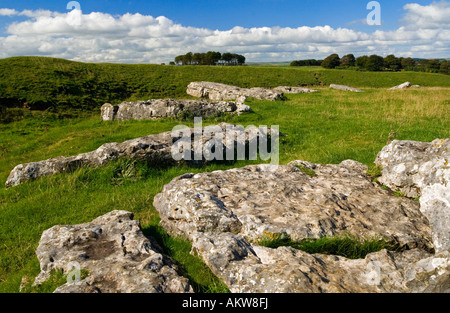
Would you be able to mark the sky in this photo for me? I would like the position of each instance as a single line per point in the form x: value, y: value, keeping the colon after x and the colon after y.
x: 263, y: 30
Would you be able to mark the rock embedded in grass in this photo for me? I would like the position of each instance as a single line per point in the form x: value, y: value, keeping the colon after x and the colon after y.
x: 402, y: 86
x: 220, y: 92
x: 294, y: 90
x: 345, y: 88
x: 116, y: 254
x: 225, y: 213
x: 153, y: 149
x: 164, y: 108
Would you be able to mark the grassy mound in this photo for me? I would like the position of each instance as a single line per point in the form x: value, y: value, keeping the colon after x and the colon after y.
x: 48, y: 83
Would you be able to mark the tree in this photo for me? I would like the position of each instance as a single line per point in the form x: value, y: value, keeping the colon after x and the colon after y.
x: 212, y: 57
x: 433, y: 66
x: 227, y: 57
x: 331, y: 61
x: 392, y: 62
x: 187, y: 60
x: 445, y: 67
x: 375, y: 63
x: 197, y: 58
x: 179, y: 59
x: 348, y: 60
x: 408, y: 62
x: 240, y: 59
x: 362, y: 61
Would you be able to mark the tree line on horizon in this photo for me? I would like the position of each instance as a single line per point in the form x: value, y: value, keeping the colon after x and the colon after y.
x: 378, y: 63
x: 209, y: 58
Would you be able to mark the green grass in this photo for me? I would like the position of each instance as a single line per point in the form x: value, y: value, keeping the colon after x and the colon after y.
x: 56, y: 84
x: 348, y: 246
x: 306, y: 170
x: 325, y: 127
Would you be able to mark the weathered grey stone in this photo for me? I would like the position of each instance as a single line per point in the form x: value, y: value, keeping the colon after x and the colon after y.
x: 155, y: 149
x: 118, y: 257
x: 220, y: 92
x: 402, y: 86
x: 225, y: 213
x: 287, y: 90
x: 163, y: 108
x: 410, y: 166
x: 255, y: 200
x: 422, y: 169
x: 345, y: 88
x: 250, y: 268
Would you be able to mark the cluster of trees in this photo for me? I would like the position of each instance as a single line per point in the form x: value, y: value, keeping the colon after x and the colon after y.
x: 310, y: 62
x: 210, y: 58
x: 378, y: 63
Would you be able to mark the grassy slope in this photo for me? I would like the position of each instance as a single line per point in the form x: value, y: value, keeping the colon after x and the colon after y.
x: 47, y: 82
x: 326, y: 127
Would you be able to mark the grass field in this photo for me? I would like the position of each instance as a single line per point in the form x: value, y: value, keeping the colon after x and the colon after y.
x: 325, y: 127
x: 47, y: 83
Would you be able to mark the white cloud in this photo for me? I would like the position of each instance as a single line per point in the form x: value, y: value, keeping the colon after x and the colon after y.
x: 435, y: 15
x: 101, y: 37
x: 8, y: 12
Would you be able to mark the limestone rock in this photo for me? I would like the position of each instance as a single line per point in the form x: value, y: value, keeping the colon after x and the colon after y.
x: 250, y: 268
x: 163, y: 108
x: 220, y: 92
x: 287, y: 90
x: 345, y: 88
x: 225, y: 213
x: 410, y: 166
x: 402, y: 86
x: 422, y: 169
x: 262, y: 199
x: 118, y: 257
x: 155, y: 149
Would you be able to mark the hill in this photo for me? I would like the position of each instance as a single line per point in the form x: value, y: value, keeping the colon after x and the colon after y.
x: 47, y: 83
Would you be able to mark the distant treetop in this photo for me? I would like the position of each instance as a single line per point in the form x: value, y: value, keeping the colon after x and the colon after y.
x: 377, y: 63
x: 210, y: 58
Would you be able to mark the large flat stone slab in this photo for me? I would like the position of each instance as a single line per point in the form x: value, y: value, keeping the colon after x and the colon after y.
x: 155, y: 149
x: 225, y: 214
x: 220, y: 92
x: 116, y: 254
x: 164, y: 108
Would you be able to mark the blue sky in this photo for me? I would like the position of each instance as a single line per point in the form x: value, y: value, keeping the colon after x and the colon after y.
x: 225, y: 14
x: 264, y: 30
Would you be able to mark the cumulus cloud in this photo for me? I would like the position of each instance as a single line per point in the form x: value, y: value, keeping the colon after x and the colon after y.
x: 435, y: 15
x: 129, y: 38
x: 8, y: 12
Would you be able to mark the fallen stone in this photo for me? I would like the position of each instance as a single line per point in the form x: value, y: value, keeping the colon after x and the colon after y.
x: 250, y: 268
x: 255, y: 200
x: 402, y: 86
x: 154, y: 149
x: 116, y: 254
x: 294, y: 90
x: 163, y: 108
x: 421, y: 169
x: 221, y: 92
x: 345, y: 88
x: 225, y: 214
